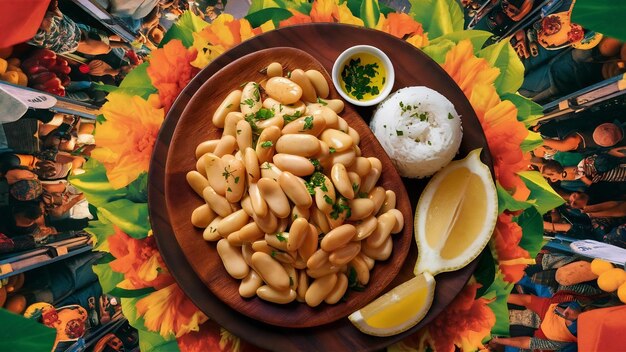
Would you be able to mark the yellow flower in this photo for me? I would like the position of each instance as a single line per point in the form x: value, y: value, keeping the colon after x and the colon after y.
x: 168, y: 311
x: 343, y: 15
x: 127, y: 137
x: 222, y: 34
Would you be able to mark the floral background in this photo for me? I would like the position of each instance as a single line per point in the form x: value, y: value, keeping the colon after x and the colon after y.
x: 116, y: 178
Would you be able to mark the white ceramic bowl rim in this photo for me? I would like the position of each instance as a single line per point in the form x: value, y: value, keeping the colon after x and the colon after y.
x: 389, y: 80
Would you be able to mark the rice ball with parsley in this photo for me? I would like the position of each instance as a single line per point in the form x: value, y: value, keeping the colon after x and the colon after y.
x: 419, y: 129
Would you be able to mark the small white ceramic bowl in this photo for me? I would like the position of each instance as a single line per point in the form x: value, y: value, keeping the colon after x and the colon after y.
x: 389, y: 79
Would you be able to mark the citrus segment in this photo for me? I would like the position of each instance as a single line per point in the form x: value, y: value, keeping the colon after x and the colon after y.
x: 397, y: 310
x: 455, y: 215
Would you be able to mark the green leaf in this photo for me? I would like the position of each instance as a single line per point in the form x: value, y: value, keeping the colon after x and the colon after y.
x: 274, y: 14
x: 604, y: 16
x: 105, y: 259
x: 478, y: 38
x: 137, y: 191
x: 438, y: 17
x: 499, y: 290
x: 531, y: 223
x: 384, y: 9
x: 138, y: 79
x: 101, y: 229
x: 531, y: 142
x: 527, y: 110
x: 437, y: 51
x: 369, y: 13
x: 142, y: 92
x: 503, y: 56
x: 355, y: 7
x: 108, y: 278
x: 302, y: 6
x: 124, y: 293
x: 185, y: 35
x: 95, y: 184
x: 23, y: 334
x: 129, y: 308
x: 507, y: 202
x: 545, y: 198
x: 153, y: 342
x: 131, y: 218
x: 191, y: 21
x: 485, y: 272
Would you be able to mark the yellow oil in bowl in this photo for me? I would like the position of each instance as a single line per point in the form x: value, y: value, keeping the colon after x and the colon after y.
x: 363, y: 76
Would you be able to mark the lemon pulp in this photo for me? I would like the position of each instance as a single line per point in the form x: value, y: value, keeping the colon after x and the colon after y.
x: 397, y: 310
x: 455, y: 215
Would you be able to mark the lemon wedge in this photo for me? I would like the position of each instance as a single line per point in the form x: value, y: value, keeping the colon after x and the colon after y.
x: 397, y: 310
x: 456, y: 215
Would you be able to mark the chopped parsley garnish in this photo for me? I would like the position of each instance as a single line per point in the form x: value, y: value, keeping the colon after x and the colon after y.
x: 363, y: 195
x: 256, y: 92
x: 288, y: 118
x: 327, y: 199
x: 227, y: 173
x: 422, y: 117
x: 450, y: 117
x: 399, y: 133
x: 316, y: 164
x: 321, y: 101
x: 236, y: 179
x: 252, y: 122
x: 340, y: 206
x: 357, y: 78
x: 308, y: 123
x: 355, y: 186
x: 331, y: 150
x: 267, y: 144
x: 229, y: 106
x: 238, y: 132
x: 288, y: 74
x: 248, y: 102
x: 316, y: 180
x: 353, y: 282
x: 264, y: 114
x: 290, y: 281
x: 281, y: 238
x: 429, y: 143
x: 229, y: 190
x: 274, y: 254
x: 266, y: 166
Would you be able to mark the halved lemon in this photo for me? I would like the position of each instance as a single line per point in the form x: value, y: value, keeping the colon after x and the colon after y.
x: 456, y: 215
x: 397, y: 310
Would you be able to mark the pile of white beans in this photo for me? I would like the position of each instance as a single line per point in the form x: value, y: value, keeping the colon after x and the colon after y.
x: 286, y: 230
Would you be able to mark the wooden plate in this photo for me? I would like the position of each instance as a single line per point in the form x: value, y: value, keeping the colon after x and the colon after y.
x: 194, y: 127
x: 325, y: 42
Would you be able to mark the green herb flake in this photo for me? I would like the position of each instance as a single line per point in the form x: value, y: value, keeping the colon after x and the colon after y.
x: 321, y: 101
x: 308, y: 123
x: 238, y: 132
x: 248, y: 102
x: 288, y: 74
x: 450, y: 117
x: 264, y: 114
x: 355, y: 186
x: 327, y: 199
x: 236, y: 179
x: 363, y: 195
x: 267, y: 144
x: 341, y: 206
x: 256, y: 93
x: 429, y: 143
x: 229, y: 190
x: 358, y: 78
x: 288, y: 118
x: 331, y: 150
x: 227, y: 173
x: 274, y: 254
x: 317, y: 165
x: 281, y: 238
x: 229, y: 106
x: 399, y: 133
x: 290, y: 281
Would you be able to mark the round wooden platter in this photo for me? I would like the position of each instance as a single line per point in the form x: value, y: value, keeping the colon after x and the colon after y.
x: 194, y: 126
x: 325, y: 42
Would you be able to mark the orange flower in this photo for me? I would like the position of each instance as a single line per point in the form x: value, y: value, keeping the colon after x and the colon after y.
x: 322, y: 10
x: 297, y: 18
x: 170, y: 70
x: 127, y: 137
x: 400, y: 25
x: 168, y: 311
x: 343, y: 15
x: 139, y: 261
x: 512, y: 259
x: 463, y: 324
x: 498, y: 118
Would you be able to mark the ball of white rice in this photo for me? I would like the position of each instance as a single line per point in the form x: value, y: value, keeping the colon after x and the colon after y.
x: 419, y: 129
